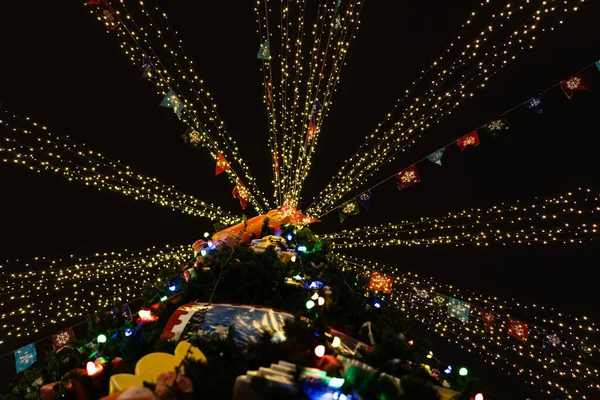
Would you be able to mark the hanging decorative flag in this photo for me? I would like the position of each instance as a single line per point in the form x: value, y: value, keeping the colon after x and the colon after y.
x: 148, y: 68
x: 348, y: 208
x: 339, y: 3
x: 62, y: 338
x: 191, y: 137
x: 553, y: 340
x: 96, y: 2
x: 106, y: 12
x: 312, y: 125
x: 535, y: 104
x: 338, y: 24
x: 489, y: 318
x: 518, y: 329
x: 25, y: 357
x: 172, y: 101
x: 264, y: 53
x: 436, y: 156
x: 222, y: 164
x: 598, y: 65
x: 276, y: 161
x: 419, y: 294
x: 269, y: 93
x: 240, y: 192
x: 365, y: 199
x: 572, y: 84
x: 408, y: 177
x: 496, y: 127
x: 470, y: 139
x: 381, y: 282
x: 439, y: 300
x: 459, y: 309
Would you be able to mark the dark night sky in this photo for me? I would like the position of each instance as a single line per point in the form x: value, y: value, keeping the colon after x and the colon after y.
x: 60, y: 68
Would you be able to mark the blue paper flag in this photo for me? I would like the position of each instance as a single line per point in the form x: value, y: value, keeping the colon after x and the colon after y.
x: 172, y: 101
x: 25, y: 357
x: 598, y: 65
x: 459, y: 309
x: 436, y: 156
x: 365, y: 199
x: 265, y: 52
x: 554, y: 341
x: 339, y: 3
x: 535, y: 104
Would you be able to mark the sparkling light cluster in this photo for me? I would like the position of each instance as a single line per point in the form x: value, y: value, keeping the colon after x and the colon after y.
x: 455, y: 76
x: 145, y: 34
x: 307, y: 75
x: 569, y: 373
x: 569, y: 218
x: 31, y: 145
x: 38, y: 294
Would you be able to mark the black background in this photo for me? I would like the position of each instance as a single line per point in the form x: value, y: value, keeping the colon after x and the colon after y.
x: 59, y: 67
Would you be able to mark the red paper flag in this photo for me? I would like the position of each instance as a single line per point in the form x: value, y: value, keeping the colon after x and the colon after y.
x: 489, y: 318
x: 62, y: 338
x: 106, y: 12
x: 470, y: 139
x: 518, y: 329
x: 222, y: 164
x: 269, y: 93
x: 240, y: 192
x: 381, y: 282
x: 96, y: 2
x: 312, y: 129
x: 276, y: 160
x: 408, y: 177
x: 574, y: 83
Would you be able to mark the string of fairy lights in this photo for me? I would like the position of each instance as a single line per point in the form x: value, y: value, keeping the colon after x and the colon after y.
x: 136, y: 41
x: 565, y: 373
x: 475, y: 70
x: 569, y: 218
x: 29, y: 144
x: 349, y: 25
x: 41, y: 293
x: 305, y: 79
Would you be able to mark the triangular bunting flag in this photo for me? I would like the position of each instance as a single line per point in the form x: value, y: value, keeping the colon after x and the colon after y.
x: 365, y: 199
x: 265, y: 52
x: 536, y: 104
x: 496, y: 127
x: 148, y: 68
x: 554, y: 341
x: 381, y: 282
x: 348, y: 208
x: 489, y: 318
x: 470, y: 139
x: 240, y: 192
x: 459, y: 309
x: 25, y: 357
x: 62, y: 338
x: 172, y: 101
x: 573, y: 84
x: 598, y: 65
x: 419, y: 294
x: 312, y: 125
x: 192, y: 138
x: 518, y: 329
x: 408, y: 177
x: 436, y: 156
x: 222, y: 164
